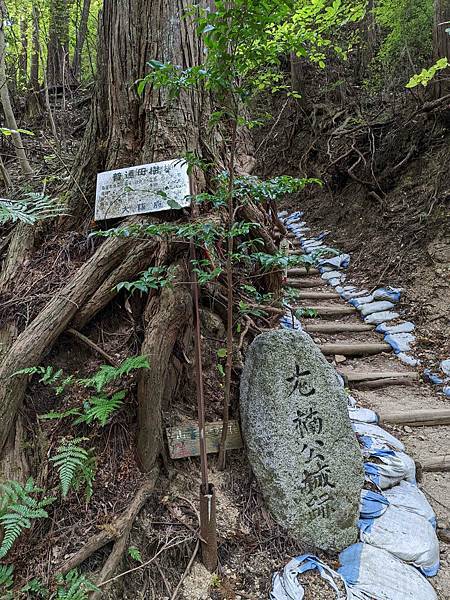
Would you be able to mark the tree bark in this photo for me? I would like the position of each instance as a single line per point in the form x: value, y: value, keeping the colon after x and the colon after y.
x: 37, y: 339
x: 81, y: 37
x: 167, y: 317
x: 59, y: 72
x: 441, y: 45
x: 6, y: 101
x: 23, y: 57
x: 125, y: 129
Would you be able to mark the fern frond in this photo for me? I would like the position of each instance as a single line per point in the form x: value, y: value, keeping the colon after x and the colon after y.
x: 100, y: 408
x: 49, y: 375
x: 70, y: 460
x: 6, y: 577
x: 18, y: 508
x: 34, y: 207
x: 74, y: 586
x: 107, y: 374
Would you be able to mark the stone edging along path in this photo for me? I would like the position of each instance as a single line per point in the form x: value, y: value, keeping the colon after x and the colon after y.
x: 398, y: 548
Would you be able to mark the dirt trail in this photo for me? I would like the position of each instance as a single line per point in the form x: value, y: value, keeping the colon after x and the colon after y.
x: 420, y: 442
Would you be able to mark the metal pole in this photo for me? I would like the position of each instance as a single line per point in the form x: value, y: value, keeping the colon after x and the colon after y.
x: 199, y: 372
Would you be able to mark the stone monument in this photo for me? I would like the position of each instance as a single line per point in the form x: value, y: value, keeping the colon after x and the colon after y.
x: 299, y: 439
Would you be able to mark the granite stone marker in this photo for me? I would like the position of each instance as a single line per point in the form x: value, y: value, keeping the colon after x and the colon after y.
x: 299, y: 439
x: 142, y: 189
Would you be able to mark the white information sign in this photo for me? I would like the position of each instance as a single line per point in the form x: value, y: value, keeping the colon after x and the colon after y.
x: 142, y: 189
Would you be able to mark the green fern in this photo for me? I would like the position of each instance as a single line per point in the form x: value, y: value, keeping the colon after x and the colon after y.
x: 6, y: 577
x: 49, y: 375
x: 135, y: 553
x: 36, y: 588
x: 18, y: 508
x: 34, y: 207
x: 107, y: 374
x: 74, y: 586
x: 76, y: 466
x: 100, y: 408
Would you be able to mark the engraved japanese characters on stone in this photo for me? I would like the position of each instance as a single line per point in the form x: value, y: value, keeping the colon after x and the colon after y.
x: 300, y: 441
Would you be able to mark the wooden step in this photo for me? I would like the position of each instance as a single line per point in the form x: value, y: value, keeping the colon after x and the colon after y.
x: 377, y: 380
x: 311, y: 295
x: 300, y: 271
x: 359, y: 376
x: 418, y: 418
x: 331, y: 311
x: 332, y: 327
x: 305, y: 283
x: 355, y: 349
x: 435, y: 464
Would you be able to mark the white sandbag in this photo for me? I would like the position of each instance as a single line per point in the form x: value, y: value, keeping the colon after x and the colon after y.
x: 394, y: 466
x: 400, y: 342
x: 373, y: 436
x: 372, y: 504
x: 405, y: 327
x: 406, y: 535
x: 286, y: 584
x: 351, y: 401
x: 380, y: 317
x: 374, y: 574
x: 388, y: 293
x: 375, y: 307
x: 408, y: 496
x: 331, y: 275
x: 341, y: 261
x: 349, y: 294
x: 445, y: 366
x: 407, y: 359
x: 359, y: 301
x: 362, y: 415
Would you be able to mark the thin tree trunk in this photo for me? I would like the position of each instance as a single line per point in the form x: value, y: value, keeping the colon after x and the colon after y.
x: 6, y: 101
x: 81, y: 37
x: 59, y: 72
x: 441, y: 45
x: 34, y: 68
x: 23, y: 57
x: 44, y: 75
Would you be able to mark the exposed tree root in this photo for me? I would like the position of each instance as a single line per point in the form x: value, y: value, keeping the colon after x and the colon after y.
x: 167, y: 317
x: 33, y: 343
x: 136, y: 261
x: 117, y: 532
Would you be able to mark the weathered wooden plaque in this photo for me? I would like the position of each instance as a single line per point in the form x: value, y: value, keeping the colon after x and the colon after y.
x: 142, y: 189
x: 184, y: 441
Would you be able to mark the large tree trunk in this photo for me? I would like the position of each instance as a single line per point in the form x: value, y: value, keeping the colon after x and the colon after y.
x: 441, y: 45
x: 130, y: 130
x: 125, y: 129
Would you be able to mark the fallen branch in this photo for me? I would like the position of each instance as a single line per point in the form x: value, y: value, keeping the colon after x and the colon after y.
x: 186, y: 571
x: 93, y: 346
x: 116, y: 531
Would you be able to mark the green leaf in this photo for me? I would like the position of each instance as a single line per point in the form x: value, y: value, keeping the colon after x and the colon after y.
x: 135, y: 553
x: 173, y: 204
x: 222, y: 352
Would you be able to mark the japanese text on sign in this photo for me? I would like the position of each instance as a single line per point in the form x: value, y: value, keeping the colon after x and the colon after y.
x: 142, y: 189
